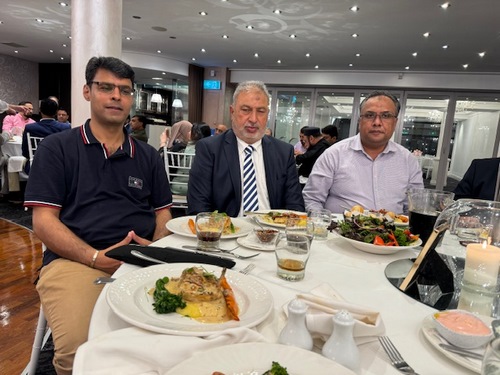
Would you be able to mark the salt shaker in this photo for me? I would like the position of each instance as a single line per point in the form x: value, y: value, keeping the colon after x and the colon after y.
x: 295, y: 332
x: 341, y: 346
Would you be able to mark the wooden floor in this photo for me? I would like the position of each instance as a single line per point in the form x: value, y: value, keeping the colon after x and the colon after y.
x: 20, y: 259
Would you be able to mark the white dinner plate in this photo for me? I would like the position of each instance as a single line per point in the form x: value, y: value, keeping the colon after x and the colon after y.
x: 376, y: 249
x: 262, y: 213
x: 434, y: 338
x: 180, y: 226
x: 251, y: 242
x: 128, y: 297
x: 255, y: 359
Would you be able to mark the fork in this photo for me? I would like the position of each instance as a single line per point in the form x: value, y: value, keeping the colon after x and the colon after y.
x: 396, y: 360
x: 247, y: 269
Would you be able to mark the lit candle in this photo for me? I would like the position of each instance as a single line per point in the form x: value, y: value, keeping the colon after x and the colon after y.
x: 479, y: 285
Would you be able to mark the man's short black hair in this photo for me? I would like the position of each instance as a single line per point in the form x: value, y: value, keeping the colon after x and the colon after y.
x: 112, y: 64
x: 142, y: 119
x: 48, y: 107
x: 330, y: 130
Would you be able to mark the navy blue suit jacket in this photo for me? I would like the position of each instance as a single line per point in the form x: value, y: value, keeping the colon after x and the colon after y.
x: 215, y: 177
x: 480, y: 180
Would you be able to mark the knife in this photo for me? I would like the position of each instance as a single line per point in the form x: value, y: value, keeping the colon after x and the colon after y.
x: 465, y: 352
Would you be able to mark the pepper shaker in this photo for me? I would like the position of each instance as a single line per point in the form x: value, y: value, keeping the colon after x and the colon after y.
x: 295, y: 332
x: 341, y: 346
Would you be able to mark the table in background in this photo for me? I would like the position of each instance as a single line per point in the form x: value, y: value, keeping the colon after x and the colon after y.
x: 357, y: 276
x: 13, y: 148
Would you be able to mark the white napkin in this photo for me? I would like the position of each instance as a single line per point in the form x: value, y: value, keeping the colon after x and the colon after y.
x: 16, y: 164
x: 324, y: 302
x: 133, y: 351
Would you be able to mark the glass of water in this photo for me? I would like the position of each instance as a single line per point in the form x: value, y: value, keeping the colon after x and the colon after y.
x: 292, y: 253
x: 491, y: 360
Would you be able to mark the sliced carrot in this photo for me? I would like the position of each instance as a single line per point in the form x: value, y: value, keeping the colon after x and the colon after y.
x: 192, y: 226
x: 232, y: 305
x: 393, y: 238
x: 378, y: 241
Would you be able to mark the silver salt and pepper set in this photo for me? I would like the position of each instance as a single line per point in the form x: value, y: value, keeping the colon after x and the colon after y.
x: 340, y: 347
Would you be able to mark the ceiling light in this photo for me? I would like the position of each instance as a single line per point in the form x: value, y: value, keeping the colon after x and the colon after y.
x: 293, y: 36
x: 427, y: 34
x: 156, y: 98
x: 354, y: 35
x: 63, y: 4
x: 202, y: 13
x: 39, y: 20
x: 445, y: 5
x: 69, y: 36
x: 407, y: 67
x: 277, y: 11
x: 235, y: 61
x: 249, y: 27
x: 308, y: 55
x: 64, y: 45
x: 128, y: 38
x: 51, y: 50
x: 16, y: 51
x: 158, y: 51
x: 279, y: 61
x: 203, y: 50
x: 316, y: 67
x: 354, y: 8
x: 62, y: 58
x: 1, y: 22
x: 177, y: 103
x: 351, y: 65
x: 465, y: 66
x: 156, y: 78
x: 358, y: 54
x: 225, y: 36
x: 414, y: 54
x: 193, y: 58
x: 256, y: 55
x: 445, y: 46
x: 481, y: 54
x: 164, y: 73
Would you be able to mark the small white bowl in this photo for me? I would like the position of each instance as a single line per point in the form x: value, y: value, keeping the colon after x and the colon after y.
x: 462, y: 328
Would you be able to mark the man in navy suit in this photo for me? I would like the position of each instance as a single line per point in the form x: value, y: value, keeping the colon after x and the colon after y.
x: 215, y: 181
x: 480, y: 180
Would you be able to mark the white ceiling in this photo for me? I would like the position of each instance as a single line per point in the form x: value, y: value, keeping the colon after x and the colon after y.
x: 389, y: 32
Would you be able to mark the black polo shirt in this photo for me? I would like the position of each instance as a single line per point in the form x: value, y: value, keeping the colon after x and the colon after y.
x: 101, y: 197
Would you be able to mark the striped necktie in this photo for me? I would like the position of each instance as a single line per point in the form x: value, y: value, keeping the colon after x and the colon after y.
x: 250, y: 198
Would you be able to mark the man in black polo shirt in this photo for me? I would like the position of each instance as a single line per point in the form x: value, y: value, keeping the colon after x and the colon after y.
x: 92, y: 188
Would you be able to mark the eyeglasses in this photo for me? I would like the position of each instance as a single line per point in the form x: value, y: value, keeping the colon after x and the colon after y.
x: 109, y: 88
x: 384, y: 117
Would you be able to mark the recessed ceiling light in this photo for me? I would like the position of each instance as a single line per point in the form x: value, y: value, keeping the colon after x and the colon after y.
x: 279, y: 61
x: 235, y: 61
x: 407, y: 67
x: 137, y: 17
x: 63, y: 4
x: 293, y: 36
x: 465, y: 66
x: 225, y: 36
x: 69, y: 36
x: 64, y: 45
x: 354, y: 8
x: 249, y: 27
x: 354, y: 35
x: 414, y: 54
x: 164, y: 73
x: 193, y: 58
x: 445, y: 5
x: 427, y: 34
x: 351, y: 65
x: 62, y: 58
x: 16, y: 51
x: 158, y: 51
x: 39, y: 20
x: 156, y: 78
x: 358, y: 54
x: 256, y: 55
x: 202, y: 13
x: 277, y: 11
x: 1, y: 22
x: 445, y: 46
x: 316, y: 67
x: 128, y: 38
x: 308, y: 55
x: 51, y: 50
x: 203, y: 50
x: 481, y: 54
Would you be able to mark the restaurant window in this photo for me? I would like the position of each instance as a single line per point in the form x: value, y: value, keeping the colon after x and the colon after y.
x: 334, y: 108
x: 292, y: 111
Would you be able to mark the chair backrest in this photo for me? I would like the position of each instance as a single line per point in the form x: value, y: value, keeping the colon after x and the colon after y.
x: 177, y: 164
x: 33, y: 143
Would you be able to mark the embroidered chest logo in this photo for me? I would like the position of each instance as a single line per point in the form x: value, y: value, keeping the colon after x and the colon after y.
x: 134, y: 182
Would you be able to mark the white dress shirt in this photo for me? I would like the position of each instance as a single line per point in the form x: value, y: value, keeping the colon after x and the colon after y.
x: 260, y: 173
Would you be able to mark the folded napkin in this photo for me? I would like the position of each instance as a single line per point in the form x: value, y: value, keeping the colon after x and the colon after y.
x: 166, y: 254
x: 16, y: 164
x: 135, y: 351
x: 324, y: 302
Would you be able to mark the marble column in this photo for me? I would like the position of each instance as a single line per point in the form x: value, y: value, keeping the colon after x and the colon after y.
x: 96, y: 30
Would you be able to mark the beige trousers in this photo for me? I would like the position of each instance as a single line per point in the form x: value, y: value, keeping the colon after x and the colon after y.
x: 68, y: 296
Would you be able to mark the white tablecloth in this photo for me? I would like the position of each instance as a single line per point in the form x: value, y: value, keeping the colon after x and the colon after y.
x: 357, y: 276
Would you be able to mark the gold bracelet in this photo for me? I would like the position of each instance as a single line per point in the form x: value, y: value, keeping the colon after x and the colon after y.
x: 92, y: 264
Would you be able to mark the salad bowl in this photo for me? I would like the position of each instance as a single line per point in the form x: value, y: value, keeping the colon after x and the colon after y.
x: 379, y: 249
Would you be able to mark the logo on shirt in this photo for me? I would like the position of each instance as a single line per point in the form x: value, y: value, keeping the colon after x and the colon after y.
x: 134, y: 182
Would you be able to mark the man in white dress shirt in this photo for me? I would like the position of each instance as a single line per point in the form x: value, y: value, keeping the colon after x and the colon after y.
x: 368, y: 169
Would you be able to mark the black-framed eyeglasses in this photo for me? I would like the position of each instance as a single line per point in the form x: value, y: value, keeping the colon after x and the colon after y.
x: 371, y: 116
x: 108, y: 88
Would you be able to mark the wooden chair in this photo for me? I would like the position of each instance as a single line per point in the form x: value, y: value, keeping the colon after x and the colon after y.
x: 177, y: 166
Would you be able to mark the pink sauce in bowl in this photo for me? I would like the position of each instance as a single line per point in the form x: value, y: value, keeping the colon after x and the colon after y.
x: 463, y: 323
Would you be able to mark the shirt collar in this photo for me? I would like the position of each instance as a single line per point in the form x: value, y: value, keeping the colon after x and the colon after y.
x: 88, y: 138
x: 242, y: 145
x: 358, y: 146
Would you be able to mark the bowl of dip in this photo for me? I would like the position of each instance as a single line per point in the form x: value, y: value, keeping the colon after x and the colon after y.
x: 462, y: 328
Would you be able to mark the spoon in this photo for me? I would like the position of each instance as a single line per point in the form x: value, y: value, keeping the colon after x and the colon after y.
x: 103, y: 280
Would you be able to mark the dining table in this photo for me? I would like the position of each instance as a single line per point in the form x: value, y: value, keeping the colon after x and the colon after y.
x: 357, y: 276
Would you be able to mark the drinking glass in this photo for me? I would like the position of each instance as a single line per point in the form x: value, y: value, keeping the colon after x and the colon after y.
x: 209, y: 227
x: 303, y: 226
x: 491, y: 360
x: 321, y: 219
x: 292, y: 253
x: 424, y: 207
